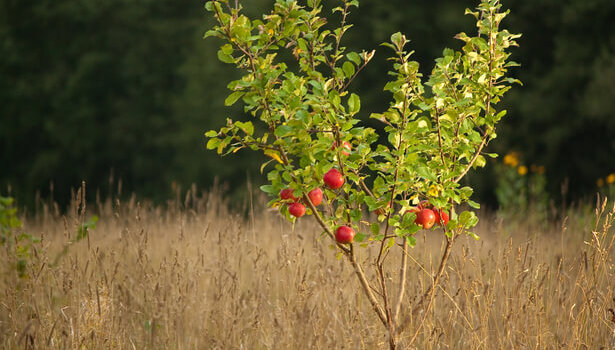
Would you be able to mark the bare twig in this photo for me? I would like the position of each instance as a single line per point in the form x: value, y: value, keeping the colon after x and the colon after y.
x: 430, y: 293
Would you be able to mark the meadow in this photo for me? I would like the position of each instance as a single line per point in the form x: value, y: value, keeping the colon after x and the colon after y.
x: 195, y: 275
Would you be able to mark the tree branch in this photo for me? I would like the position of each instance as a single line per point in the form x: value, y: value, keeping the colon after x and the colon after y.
x: 402, y: 280
x: 366, y: 286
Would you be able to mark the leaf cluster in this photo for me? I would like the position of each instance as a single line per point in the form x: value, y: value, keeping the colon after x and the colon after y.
x: 295, y: 85
x: 18, y: 245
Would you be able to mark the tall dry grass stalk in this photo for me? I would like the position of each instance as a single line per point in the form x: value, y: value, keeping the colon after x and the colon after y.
x: 195, y: 276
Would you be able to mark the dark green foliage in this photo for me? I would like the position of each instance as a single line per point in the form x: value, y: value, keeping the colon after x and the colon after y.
x: 87, y: 89
x: 93, y: 87
x: 563, y: 118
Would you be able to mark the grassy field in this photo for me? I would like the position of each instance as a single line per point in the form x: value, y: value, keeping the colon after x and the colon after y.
x: 195, y: 276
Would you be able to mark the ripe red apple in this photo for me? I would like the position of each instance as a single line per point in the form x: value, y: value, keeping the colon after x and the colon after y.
x: 441, y: 217
x: 287, y: 194
x: 344, y: 234
x: 346, y: 147
x: 333, y: 179
x: 425, y: 218
x: 296, y: 209
x: 315, y: 196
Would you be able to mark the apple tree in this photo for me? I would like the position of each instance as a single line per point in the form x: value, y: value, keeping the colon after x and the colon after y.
x: 376, y: 186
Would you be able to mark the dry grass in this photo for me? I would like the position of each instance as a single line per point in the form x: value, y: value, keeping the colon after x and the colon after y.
x: 196, y: 276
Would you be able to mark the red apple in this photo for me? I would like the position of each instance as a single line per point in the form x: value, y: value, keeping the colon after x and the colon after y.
x: 333, y: 179
x: 287, y: 194
x: 346, y: 147
x: 441, y: 217
x: 315, y: 196
x: 425, y: 218
x: 296, y: 209
x: 344, y: 234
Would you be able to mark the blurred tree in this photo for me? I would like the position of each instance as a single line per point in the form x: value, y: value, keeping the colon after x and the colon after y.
x: 129, y: 86
x: 200, y: 107
x: 563, y: 116
x: 87, y: 90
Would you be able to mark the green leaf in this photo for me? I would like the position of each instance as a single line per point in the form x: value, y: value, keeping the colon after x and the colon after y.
x: 399, y: 40
x: 348, y: 69
x: 474, y: 205
x: 226, y: 58
x: 354, y: 58
x: 375, y: 228
x: 232, y: 98
x: 241, y: 28
x: 468, y: 219
x: 246, y: 127
x: 480, y: 43
x: 209, y: 33
x: 426, y: 173
x: 372, y: 204
x: 268, y: 189
x: 390, y: 243
x: 354, y: 104
x: 283, y: 130
x: 480, y: 162
x: 359, y: 237
x: 411, y: 241
x: 466, y: 191
x: 211, y: 133
x: 499, y: 116
x: 213, y: 143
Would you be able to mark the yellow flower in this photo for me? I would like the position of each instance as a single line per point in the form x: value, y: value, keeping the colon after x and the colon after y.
x: 600, y: 182
x: 611, y: 178
x: 433, y: 191
x: 512, y: 159
x: 522, y: 170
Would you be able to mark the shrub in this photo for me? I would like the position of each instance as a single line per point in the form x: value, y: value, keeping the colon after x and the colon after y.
x: 296, y: 80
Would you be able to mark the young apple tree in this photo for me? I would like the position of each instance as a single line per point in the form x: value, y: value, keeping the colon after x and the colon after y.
x: 296, y: 75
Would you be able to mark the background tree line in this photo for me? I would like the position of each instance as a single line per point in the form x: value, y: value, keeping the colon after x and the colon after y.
x: 126, y: 88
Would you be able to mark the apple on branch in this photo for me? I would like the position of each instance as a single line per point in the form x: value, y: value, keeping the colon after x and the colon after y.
x: 344, y: 234
x: 315, y: 196
x: 296, y: 209
x: 333, y: 179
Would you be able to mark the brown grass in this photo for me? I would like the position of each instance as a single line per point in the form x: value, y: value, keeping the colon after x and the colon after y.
x: 196, y: 276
